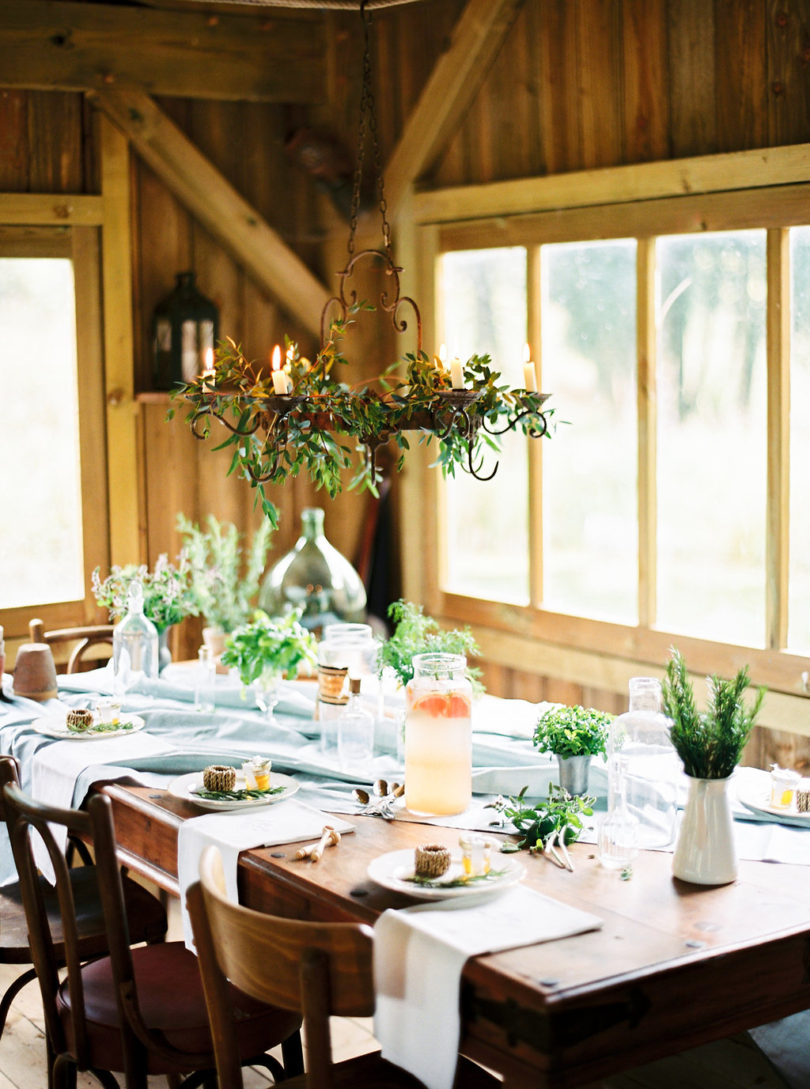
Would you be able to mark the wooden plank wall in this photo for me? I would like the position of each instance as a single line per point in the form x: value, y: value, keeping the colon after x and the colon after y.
x: 578, y: 84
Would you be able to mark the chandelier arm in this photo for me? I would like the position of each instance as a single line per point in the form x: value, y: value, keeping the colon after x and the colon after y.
x: 199, y: 414
x: 235, y: 428
x: 471, y: 468
x: 535, y: 433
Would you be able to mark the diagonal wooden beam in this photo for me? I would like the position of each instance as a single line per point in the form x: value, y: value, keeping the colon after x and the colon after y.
x: 59, y: 45
x: 453, y: 84
x: 238, y: 227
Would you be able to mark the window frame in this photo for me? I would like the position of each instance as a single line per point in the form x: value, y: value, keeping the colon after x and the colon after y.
x: 81, y: 244
x: 580, y: 649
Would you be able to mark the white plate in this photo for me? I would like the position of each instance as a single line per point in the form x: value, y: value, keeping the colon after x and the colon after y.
x: 53, y: 727
x: 391, y: 870
x: 759, y: 803
x: 186, y: 786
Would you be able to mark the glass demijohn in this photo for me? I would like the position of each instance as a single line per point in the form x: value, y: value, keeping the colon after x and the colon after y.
x: 438, y: 735
x: 316, y: 576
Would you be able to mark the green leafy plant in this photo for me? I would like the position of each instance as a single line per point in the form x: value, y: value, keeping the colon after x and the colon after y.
x: 572, y: 731
x: 224, y: 576
x: 281, y: 644
x: 709, y: 743
x: 465, y: 881
x: 325, y: 422
x: 560, y: 815
x: 415, y: 633
x: 168, y: 596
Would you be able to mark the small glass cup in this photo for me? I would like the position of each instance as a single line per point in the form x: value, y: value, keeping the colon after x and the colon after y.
x: 783, y: 787
x: 476, y: 855
x: 108, y: 710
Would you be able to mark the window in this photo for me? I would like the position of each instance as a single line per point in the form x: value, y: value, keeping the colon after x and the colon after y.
x: 51, y: 425
x: 656, y: 506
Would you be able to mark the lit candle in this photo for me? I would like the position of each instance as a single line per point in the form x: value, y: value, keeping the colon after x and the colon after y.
x: 208, y: 368
x: 456, y: 373
x: 529, y: 373
x: 279, y: 376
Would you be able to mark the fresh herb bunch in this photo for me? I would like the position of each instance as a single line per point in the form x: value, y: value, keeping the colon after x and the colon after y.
x: 711, y: 743
x: 415, y: 633
x: 224, y: 576
x: 464, y: 881
x: 168, y: 596
x: 282, y: 644
x: 572, y: 731
x: 322, y: 430
x: 536, y: 823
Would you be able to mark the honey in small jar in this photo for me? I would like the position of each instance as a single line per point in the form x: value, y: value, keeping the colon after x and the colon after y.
x: 783, y: 787
x: 257, y: 773
x: 475, y: 855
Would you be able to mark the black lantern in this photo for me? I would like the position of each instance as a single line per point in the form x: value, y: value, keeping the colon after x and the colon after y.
x: 185, y: 328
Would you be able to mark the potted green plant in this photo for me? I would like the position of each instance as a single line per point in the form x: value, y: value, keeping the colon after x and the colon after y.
x: 414, y: 633
x: 266, y: 649
x: 225, y: 576
x: 168, y: 596
x: 710, y: 743
x: 573, y: 735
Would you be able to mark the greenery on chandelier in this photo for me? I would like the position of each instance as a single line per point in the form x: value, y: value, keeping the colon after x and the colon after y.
x: 327, y: 427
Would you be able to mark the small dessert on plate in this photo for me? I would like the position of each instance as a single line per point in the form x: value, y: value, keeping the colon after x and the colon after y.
x: 80, y: 720
x: 431, y: 860
x: 219, y: 777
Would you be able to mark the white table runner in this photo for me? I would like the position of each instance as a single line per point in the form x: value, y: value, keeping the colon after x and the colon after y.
x: 289, y: 821
x: 419, y: 954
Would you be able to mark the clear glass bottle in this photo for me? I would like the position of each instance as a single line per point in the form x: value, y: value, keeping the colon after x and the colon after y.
x: 344, y: 649
x: 355, y: 731
x: 316, y: 576
x: 643, y: 776
x: 205, y: 680
x: 135, y: 643
x: 438, y: 735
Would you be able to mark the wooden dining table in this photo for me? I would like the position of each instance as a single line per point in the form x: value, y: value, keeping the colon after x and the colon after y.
x: 673, y: 965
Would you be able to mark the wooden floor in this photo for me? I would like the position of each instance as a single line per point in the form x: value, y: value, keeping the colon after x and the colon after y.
x: 731, y: 1064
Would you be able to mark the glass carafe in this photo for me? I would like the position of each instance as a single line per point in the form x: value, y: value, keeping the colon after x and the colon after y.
x: 438, y: 735
x: 315, y: 576
x: 643, y: 773
x: 344, y: 649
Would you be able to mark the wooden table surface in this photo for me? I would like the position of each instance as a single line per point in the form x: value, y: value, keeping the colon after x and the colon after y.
x: 673, y: 966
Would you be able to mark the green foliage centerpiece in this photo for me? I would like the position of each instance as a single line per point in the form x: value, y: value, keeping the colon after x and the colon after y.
x: 574, y: 735
x: 414, y: 633
x: 267, y: 649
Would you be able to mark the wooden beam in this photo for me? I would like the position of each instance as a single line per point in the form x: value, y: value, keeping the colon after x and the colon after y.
x: 116, y: 270
x: 239, y: 228
x: 78, y: 47
x: 451, y: 87
x: 49, y: 209
x: 617, y: 185
x: 647, y: 455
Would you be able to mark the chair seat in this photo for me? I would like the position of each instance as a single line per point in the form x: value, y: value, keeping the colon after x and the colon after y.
x: 147, y: 918
x: 371, y: 1071
x: 171, y: 1001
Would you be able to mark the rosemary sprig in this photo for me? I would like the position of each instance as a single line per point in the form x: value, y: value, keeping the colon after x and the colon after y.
x: 456, y: 882
x: 245, y: 794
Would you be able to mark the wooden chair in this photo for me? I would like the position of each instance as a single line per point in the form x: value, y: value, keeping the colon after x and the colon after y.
x: 85, y: 638
x: 145, y: 913
x: 137, y: 1011
x: 317, y: 969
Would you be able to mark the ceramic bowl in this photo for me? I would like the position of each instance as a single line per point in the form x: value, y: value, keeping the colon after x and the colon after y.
x: 35, y: 672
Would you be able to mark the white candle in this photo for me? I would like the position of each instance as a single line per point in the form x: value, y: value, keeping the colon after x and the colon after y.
x: 279, y: 376
x: 208, y: 368
x: 456, y: 374
x: 529, y: 372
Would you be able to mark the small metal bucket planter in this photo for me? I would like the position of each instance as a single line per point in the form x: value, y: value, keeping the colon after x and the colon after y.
x: 574, y: 773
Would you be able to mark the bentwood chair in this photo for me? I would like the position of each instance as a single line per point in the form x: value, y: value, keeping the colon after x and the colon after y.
x: 147, y: 919
x: 136, y: 1011
x: 84, y: 640
x: 317, y: 969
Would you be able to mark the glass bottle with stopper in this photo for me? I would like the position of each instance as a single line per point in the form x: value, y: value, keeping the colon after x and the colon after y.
x: 135, y: 643
x: 355, y: 730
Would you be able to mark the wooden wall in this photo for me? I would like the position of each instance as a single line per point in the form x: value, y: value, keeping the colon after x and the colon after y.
x: 578, y: 84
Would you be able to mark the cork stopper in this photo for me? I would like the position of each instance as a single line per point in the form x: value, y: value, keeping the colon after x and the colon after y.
x: 354, y: 686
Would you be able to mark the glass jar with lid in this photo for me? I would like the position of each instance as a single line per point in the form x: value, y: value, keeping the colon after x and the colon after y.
x: 438, y: 735
x: 345, y: 649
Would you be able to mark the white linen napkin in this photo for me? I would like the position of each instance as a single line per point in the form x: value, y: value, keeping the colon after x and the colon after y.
x: 56, y: 767
x: 419, y: 954
x: 289, y: 821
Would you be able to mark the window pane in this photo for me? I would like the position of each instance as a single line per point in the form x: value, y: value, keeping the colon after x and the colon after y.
x: 41, y: 545
x: 799, y: 600
x: 711, y: 436
x: 590, y: 533
x: 484, y: 312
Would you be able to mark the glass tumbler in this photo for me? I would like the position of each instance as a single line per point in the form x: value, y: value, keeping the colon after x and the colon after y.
x: 438, y: 735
